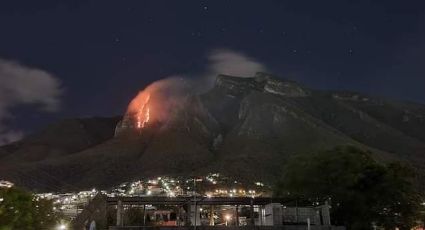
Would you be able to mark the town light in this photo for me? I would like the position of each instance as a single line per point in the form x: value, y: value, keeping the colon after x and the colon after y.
x: 61, y: 227
x: 227, y: 217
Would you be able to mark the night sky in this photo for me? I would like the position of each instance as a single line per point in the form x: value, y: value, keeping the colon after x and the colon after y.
x: 100, y: 53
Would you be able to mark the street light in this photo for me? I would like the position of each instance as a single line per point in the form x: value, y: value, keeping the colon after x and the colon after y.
x: 62, y: 227
x: 227, y: 218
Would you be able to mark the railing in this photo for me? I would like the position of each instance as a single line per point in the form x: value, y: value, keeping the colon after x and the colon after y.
x: 283, y: 227
x: 140, y: 200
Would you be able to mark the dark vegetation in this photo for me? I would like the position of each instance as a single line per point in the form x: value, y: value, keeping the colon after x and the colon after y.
x: 22, y: 210
x: 361, y: 191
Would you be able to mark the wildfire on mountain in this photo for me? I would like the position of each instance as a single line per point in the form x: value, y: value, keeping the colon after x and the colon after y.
x: 140, y: 109
x: 155, y: 103
x: 143, y: 114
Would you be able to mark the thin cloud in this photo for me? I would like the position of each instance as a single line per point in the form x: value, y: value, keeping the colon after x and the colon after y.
x: 223, y: 61
x: 23, y: 85
x: 228, y: 62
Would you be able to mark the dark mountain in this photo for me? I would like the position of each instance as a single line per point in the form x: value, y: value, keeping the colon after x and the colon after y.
x: 62, y: 138
x: 244, y: 127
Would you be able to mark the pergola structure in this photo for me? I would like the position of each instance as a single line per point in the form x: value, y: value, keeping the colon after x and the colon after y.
x: 200, y: 211
x: 192, y: 204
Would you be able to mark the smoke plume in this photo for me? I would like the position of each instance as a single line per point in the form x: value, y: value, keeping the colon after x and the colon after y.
x: 157, y: 101
x: 230, y: 62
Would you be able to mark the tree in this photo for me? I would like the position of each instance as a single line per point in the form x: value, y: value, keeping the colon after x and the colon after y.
x: 361, y: 191
x: 22, y: 210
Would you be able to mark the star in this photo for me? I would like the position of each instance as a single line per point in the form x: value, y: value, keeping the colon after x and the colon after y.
x: 197, y: 34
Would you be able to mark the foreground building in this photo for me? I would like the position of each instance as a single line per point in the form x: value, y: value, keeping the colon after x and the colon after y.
x: 138, y: 212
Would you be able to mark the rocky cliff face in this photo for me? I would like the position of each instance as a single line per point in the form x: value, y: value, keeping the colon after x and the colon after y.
x: 261, y: 82
x: 246, y: 127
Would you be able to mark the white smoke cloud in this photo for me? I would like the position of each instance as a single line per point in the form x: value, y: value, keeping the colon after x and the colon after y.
x: 234, y: 63
x: 161, y: 98
x: 228, y: 62
x: 22, y: 85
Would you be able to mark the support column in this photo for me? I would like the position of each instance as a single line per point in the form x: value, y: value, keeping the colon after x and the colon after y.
x: 211, y: 215
x: 251, y: 207
x: 187, y: 215
x: 296, y: 211
x: 195, y: 220
x: 144, y: 215
x: 119, y: 213
x: 237, y: 215
x: 178, y: 216
x: 326, y: 214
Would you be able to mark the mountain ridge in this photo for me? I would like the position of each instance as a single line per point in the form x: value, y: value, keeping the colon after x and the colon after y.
x: 246, y: 127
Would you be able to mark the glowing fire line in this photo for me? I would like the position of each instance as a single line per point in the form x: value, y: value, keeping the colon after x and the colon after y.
x: 143, y: 119
x: 147, y: 115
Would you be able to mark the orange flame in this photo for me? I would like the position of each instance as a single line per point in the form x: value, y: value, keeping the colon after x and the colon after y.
x: 147, y: 115
x: 155, y: 103
x: 143, y: 114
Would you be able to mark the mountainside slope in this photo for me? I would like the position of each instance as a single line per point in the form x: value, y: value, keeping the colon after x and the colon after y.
x: 61, y: 138
x: 243, y: 127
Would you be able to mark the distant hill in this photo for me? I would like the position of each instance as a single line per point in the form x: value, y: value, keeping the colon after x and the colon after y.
x: 244, y: 127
